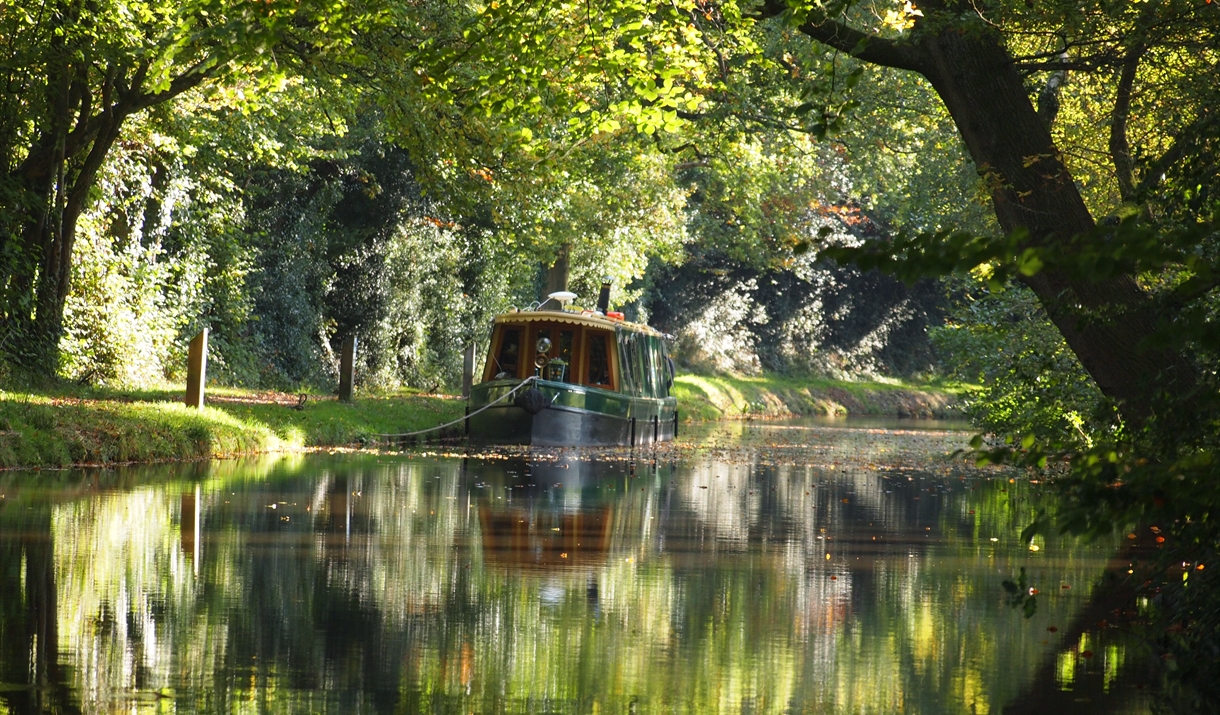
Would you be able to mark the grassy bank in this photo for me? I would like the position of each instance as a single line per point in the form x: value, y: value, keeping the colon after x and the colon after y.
x: 100, y: 427
x: 97, y: 427
x: 705, y: 398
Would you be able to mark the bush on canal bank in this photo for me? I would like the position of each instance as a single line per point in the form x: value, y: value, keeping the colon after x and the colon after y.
x: 705, y: 398
x: 95, y: 428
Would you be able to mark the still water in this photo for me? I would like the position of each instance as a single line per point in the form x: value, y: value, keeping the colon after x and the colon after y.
x: 754, y: 568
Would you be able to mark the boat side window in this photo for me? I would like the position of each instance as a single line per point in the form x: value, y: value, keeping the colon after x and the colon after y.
x: 647, y: 366
x: 597, y: 372
x: 660, y: 370
x: 639, y: 374
x: 669, y: 368
x: 626, y: 362
x: 509, y: 357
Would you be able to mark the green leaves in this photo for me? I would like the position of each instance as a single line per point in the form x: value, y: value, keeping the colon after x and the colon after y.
x: 571, y: 69
x: 1132, y: 247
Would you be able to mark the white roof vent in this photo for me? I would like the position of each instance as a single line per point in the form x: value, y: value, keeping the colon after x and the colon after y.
x: 563, y: 297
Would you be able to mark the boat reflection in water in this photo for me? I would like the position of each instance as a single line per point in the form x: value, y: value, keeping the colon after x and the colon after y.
x: 561, y: 514
x: 376, y: 583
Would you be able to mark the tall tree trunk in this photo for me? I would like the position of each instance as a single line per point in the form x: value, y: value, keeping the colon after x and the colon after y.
x: 557, y: 274
x: 59, y: 239
x: 85, y: 97
x: 1104, y: 322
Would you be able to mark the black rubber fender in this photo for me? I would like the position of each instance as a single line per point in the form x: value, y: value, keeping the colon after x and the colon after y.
x: 532, y: 401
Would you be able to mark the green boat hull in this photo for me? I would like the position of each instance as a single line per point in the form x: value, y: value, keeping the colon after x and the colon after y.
x: 574, y: 416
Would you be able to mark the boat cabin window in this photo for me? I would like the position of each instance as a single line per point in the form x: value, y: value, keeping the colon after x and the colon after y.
x: 581, y: 355
x: 560, y: 355
x: 508, y: 359
x: 597, y: 365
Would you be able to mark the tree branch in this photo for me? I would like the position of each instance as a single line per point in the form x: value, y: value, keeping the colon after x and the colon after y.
x: 869, y: 48
x: 1120, y: 148
x: 42, y: 160
x: 1185, y: 141
x: 1085, y: 65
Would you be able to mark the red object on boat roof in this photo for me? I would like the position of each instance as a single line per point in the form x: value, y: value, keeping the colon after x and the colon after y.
x: 614, y: 315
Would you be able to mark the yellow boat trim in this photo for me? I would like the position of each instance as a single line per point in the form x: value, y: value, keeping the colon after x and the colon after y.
x: 556, y: 316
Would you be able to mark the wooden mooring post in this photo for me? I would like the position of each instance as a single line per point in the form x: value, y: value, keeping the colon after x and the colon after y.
x: 197, y: 369
x: 190, y: 524
x: 347, y: 369
x: 467, y: 370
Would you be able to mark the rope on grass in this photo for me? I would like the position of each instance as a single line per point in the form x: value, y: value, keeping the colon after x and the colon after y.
x: 493, y: 403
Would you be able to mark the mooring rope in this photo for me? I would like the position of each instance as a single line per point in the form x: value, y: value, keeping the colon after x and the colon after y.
x: 498, y: 400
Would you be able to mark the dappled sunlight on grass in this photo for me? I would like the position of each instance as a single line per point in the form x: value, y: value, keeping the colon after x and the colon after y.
x: 53, y: 430
x: 704, y: 397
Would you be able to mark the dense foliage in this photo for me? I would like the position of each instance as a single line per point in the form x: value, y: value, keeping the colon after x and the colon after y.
x: 290, y: 174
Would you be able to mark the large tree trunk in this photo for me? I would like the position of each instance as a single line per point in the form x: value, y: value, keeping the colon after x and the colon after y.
x: 1107, y: 322
x: 40, y: 278
x: 59, y: 239
x: 85, y: 96
x: 557, y: 274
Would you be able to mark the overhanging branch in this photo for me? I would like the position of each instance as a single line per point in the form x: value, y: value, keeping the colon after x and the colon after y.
x: 869, y: 48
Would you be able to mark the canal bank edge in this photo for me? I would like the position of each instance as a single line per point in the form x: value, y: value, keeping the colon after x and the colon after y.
x: 710, y: 398
x: 95, y: 428
x: 90, y: 427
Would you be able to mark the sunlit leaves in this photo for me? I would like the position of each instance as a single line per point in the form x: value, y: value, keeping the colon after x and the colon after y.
x: 589, y: 67
x: 1132, y: 247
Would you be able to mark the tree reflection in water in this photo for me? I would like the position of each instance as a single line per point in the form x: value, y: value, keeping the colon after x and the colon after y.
x: 382, y: 583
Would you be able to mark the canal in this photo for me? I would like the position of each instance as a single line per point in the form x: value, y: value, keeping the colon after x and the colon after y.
x: 805, y: 567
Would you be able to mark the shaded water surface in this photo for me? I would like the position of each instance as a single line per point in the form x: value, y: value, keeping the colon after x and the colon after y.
x: 752, y: 569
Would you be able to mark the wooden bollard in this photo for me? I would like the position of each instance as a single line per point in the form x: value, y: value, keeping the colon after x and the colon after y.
x: 467, y: 370
x: 347, y: 369
x: 197, y: 369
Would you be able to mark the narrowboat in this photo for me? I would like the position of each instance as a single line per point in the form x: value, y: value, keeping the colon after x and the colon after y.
x: 559, y: 376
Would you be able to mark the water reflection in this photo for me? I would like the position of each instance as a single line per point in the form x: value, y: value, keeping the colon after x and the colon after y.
x: 855, y: 579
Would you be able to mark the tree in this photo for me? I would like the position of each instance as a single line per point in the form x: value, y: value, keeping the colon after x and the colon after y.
x: 74, y: 73
x: 966, y: 52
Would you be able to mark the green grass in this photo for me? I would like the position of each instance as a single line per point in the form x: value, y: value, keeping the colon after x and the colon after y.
x: 707, y: 397
x: 58, y: 428
x: 65, y: 425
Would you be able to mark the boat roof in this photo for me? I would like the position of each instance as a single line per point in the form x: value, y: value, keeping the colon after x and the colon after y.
x: 584, y: 317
